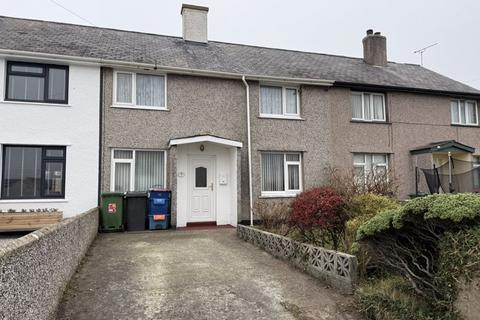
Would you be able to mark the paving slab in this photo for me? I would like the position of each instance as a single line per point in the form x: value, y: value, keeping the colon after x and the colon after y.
x: 201, y: 274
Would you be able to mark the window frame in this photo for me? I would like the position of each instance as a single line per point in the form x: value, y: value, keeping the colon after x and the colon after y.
x: 284, y: 114
x: 132, y: 166
x: 287, y: 191
x: 363, y: 164
x: 44, y: 75
x: 372, y: 94
x: 465, y: 101
x: 44, y: 159
x: 133, y: 105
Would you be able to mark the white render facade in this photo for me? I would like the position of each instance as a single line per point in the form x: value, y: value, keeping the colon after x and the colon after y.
x: 49, y: 150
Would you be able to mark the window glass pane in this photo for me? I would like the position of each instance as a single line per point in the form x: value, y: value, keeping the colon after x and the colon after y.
x: 149, y: 170
x: 359, y: 158
x: 462, y: 112
x: 122, y: 154
x: 200, y: 177
x: 357, y: 106
x: 271, y: 100
x: 29, y: 69
x: 124, y: 87
x: 291, y: 101
x: 150, y: 90
x: 359, y: 174
x: 378, y: 109
x: 366, y: 107
x: 273, y: 174
x: 293, y: 177
x: 293, y: 157
x: 26, y: 88
x: 122, y: 177
x: 54, y: 153
x: 53, y: 179
x: 381, y: 170
x: 22, y: 172
x: 454, y: 110
x: 471, y: 113
x: 379, y: 158
x: 56, y: 84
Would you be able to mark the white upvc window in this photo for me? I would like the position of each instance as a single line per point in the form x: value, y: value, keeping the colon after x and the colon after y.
x: 281, y: 173
x: 464, y: 112
x: 367, y: 106
x: 365, y: 164
x: 137, y: 170
x: 279, y: 102
x: 140, y: 90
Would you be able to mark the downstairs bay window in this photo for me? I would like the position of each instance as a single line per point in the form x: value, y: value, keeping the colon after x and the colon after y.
x: 281, y: 174
x: 137, y: 170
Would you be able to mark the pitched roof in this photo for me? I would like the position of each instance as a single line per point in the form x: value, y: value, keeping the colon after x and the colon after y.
x: 448, y: 145
x: 167, y: 51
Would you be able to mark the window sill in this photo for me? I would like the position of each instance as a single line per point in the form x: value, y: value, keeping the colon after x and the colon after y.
x: 366, y: 121
x: 33, y: 200
x: 464, y: 125
x: 285, y: 195
x: 281, y: 117
x: 36, y: 103
x: 138, y: 107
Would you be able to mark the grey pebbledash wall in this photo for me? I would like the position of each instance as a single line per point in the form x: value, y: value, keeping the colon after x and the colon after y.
x: 36, y: 268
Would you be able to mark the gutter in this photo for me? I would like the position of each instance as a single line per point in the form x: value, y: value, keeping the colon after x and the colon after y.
x: 188, y: 71
x: 249, y: 143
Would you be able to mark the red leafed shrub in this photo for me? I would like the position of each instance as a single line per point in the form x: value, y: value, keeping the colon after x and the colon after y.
x: 319, y: 214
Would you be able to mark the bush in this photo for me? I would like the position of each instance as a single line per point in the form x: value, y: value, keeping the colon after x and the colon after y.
x: 319, y: 209
x: 391, y: 298
x: 274, y: 215
x: 407, y: 241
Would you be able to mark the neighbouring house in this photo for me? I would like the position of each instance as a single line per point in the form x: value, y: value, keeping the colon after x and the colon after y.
x: 223, y: 124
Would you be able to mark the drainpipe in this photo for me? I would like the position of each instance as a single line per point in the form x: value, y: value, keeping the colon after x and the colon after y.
x: 249, y: 146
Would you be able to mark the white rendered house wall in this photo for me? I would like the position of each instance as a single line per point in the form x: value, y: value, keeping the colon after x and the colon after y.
x: 74, y: 125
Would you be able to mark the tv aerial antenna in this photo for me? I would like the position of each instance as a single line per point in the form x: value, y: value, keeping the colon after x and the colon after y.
x: 422, y: 50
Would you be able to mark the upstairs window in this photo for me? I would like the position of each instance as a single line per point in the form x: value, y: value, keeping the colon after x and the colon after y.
x: 368, y: 106
x: 464, y: 112
x: 33, y: 172
x: 33, y: 82
x: 279, y: 101
x: 281, y: 173
x: 140, y: 90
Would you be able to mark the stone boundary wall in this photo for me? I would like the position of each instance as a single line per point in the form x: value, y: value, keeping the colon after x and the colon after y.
x: 35, y: 269
x: 336, y: 268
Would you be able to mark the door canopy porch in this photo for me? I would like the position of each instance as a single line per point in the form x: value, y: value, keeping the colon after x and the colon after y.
x: 443, y: 146
x: 205, y: 138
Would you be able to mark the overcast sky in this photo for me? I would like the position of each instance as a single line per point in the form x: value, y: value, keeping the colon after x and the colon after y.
x: 334, y: 27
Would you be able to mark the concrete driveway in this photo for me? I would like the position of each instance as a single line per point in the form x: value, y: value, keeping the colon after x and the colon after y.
x: 201, y: 274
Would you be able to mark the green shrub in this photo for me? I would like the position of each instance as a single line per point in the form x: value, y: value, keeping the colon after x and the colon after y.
x: 391, y: 298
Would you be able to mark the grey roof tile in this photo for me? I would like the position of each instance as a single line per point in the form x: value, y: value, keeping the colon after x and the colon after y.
x: 93, y: 42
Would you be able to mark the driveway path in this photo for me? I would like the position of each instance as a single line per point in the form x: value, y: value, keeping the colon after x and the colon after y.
x: 201, y: 274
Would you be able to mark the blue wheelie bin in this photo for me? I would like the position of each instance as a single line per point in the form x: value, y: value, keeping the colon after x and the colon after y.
x: 159, y: 209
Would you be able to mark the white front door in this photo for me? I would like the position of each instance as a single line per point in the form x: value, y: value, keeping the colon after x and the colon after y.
x: 202, y: 189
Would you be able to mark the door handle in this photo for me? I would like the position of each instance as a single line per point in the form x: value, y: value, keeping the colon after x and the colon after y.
x: 211, y: 186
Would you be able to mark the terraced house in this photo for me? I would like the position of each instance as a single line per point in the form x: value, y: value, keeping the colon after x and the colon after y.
x: 224, y: 124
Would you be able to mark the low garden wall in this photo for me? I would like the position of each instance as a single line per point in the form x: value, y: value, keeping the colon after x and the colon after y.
x: 336, y: 268
x: 36, y: 268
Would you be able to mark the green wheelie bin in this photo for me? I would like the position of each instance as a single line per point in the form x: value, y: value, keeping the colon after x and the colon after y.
x: 111, y: 217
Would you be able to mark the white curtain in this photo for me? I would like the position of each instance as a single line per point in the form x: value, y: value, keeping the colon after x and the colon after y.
x: 150, y: 90
x: 271, y: 100
x: 122, y: 177
x: 366, y: 107
x: 378, y: 113
x: 293, y: 177
x: 357, y: 106
x: 122, y: 154
x: 149, y: 169
x: 291, y: 101
x: 22, y: 173
x: 471, y: 112
x: 454, y: 110
x: 273, y: 172
x: 56, y: 83
x: 26, y: 88
x: 462, y: 112
x: 124, y: 87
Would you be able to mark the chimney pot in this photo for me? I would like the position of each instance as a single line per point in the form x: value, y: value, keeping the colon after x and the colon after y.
x: 375, y: 48
x: 194, y: 23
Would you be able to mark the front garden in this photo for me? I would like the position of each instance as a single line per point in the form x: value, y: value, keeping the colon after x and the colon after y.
x: 414, y: 257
